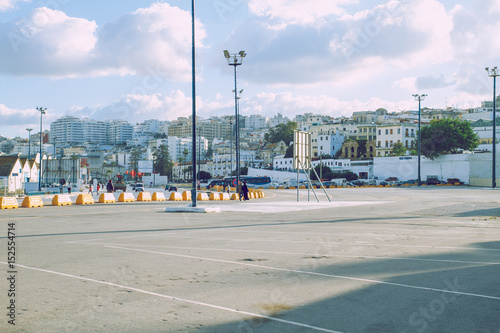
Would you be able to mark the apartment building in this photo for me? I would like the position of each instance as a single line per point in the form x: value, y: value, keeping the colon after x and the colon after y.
x: 71, y: 130
x: 388, y: 135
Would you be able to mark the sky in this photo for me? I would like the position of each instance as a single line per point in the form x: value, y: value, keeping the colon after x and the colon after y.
x: 131, y: 59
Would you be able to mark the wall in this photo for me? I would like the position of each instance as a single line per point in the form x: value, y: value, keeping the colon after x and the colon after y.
x: 480, y: 169
x: 406, y: 167
x: 276, y: 176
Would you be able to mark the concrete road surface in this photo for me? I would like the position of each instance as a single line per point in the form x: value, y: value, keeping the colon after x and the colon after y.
x: 372, y: 260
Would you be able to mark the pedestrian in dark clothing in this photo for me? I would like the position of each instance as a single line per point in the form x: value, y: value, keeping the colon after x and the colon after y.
x: 69, y: 188
x: 244, y: 189
x: 239, y: 189
x: 109, y: 187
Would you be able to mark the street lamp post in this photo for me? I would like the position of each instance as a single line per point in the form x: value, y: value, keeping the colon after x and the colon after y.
x: 494, y: 73
x: 231, y: 152
x: 29, y: 142
x: 42, y: 112
x: 419, y: 98
x: 193, y: 96
x: 236, y: 60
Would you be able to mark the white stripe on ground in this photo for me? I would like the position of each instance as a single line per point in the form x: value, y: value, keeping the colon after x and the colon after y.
x: 310, y: 273
x: 178, y: 299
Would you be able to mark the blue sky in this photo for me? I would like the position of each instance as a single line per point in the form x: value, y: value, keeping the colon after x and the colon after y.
x: 131, y: 59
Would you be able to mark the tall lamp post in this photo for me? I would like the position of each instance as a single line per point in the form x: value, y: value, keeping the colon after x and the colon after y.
x: 193, y: 96
x: 29, y: 142
x: 231, y: 152
x: 42, y: 112
x: 494, y: 73
x: 236, y: 60
x: 419, y: 98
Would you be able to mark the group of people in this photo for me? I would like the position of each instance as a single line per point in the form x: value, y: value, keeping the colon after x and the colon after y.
x: 243, y: 191
x: 109, y: 187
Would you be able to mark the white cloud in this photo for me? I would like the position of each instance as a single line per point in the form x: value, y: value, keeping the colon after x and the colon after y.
x: 284, y: 12
x: 50, y: 43
x: 9, y: 4
x: 290, y: 104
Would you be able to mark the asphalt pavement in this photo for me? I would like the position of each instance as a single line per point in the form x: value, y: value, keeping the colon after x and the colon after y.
x: 371, y: 260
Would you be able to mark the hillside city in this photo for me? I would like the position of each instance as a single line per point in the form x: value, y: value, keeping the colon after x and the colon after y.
x: 85, y: 149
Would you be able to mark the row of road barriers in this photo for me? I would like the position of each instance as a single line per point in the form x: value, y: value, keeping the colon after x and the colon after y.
x: 108, y: 198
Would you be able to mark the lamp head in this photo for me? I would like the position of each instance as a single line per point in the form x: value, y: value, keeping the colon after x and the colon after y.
x: 243, y: 54
x: 226, y: 54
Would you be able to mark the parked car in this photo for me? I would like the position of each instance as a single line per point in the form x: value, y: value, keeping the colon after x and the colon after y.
x: 432, y: 181
x: 139, y: 187
x: 170, y: 188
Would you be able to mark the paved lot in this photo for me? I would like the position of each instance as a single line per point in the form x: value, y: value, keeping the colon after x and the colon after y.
x: 372, y: 260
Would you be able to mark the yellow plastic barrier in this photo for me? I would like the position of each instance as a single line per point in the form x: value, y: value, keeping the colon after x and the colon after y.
x: 292, y: 188
x: 31, y: 202
x: 158, y: 196
x: 84, y: 199
x: 8, y: 203
x: 186, y: 196
x: 214, y: 196
x: 272, y: 188
x: 251, y: 195
x: 281, y: 188
x: 302, y: 187
x: 61, y: 200
x: 262, y: 195
x: 224, y: 197
x: 202, y: 197
x: 144, y: 196
x: 175, y: 196
x: 126, y: 197
x: 235, y: 196
x: 107, y: 198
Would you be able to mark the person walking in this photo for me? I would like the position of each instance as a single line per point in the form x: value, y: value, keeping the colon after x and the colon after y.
x: 109, y: 187
x: 244, y: 189
x: 98, y: 187
x: 69, y: 188
x: 239, y: 189
x: 90, y: 190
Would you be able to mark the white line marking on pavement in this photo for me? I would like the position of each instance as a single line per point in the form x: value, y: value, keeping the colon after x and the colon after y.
x: 329, y: 242
x: 303, y: 254
x: 290, y: 206
x: 310, y: 273
x: 173, y: 298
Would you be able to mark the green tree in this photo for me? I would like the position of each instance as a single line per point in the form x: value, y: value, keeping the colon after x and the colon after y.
x: 162, y: 161
x: 289, y: 152
x: 204, y: 175
x: 447, y: 135
x: 323, y: 171
x: 282, y: 132
x: 209, y: 153
x: 399, y: 149
x: 348, y: 175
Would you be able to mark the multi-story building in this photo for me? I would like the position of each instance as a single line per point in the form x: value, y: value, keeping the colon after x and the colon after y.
x: 388, y: 135
x: 118, y: 131
x: 181, y: 149
x: 256, y: 121
x: 278, y: 119
x: 69, y: 130
x: 329, y: 143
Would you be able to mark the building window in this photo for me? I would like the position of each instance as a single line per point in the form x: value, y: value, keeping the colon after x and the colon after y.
x: 391, y: 131
x: 386, y: 131
x: 379, y: 132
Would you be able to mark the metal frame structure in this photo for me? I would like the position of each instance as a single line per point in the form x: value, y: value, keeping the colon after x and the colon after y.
x: 419, y: 98
x: 493, y: 72
x: 236, y: 60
